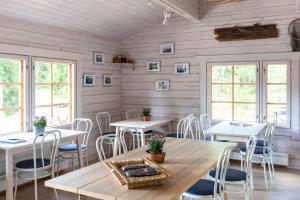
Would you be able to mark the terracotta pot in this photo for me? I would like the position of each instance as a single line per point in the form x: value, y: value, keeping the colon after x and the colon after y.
x: 156, y: 157
x: 147, y: 118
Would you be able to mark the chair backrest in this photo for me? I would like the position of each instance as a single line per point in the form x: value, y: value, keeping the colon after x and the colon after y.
x: 131, y: 114
x: 275, y: 117
x: 193, y: 128
x: 204, y: 124
x: 83, y: 124
x: 45, y: 146
x: 103, y: 121
x: 108, y: 139
x: 250, y: 148
x: 182, y: 126
x: 269, y: 133
x: 221, y: 170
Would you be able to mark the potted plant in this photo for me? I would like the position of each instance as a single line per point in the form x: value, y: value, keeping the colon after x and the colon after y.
x: 39, y: 124
x: 146, y: 114
x: 155, y: 149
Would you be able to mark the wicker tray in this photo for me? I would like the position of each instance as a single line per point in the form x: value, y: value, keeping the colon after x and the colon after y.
x: 138, y: 182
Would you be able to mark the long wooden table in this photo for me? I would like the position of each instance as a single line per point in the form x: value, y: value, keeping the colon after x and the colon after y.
x: 187, y: 160
x: 12, y: 149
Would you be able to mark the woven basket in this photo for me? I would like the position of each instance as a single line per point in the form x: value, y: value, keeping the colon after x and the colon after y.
x: 138, y: 182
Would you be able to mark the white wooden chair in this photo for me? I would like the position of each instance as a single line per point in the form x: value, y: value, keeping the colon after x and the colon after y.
x: 241, y: 177
x: 42, y: 165
x: 69, y: 150
x: 205, y: 188
x: 205, y: 125
x: 182, y: 127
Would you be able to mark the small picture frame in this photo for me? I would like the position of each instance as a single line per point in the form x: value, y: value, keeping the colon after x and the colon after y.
x: 167, y: 49
x: 162, y: 85
x: 107, y: 80
x: 88, y: 80
x: 182, y: 68
x: 153, y: 66
x: 98, y: 58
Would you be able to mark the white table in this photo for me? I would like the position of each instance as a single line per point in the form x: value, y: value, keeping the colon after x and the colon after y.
x: 141, y: 126
x: 12, y: 149
x: 225, y: 131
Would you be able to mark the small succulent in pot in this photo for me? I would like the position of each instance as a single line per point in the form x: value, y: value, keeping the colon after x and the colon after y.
x: 146, y: 114
x: 39, y: 124
x: 155, y: 149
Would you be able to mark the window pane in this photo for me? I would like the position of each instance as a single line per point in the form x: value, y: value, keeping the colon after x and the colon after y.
x: 244, y: 112
x: 221, y: 92
x: 280, y: 109
x: 245, y: 73
x: 61, y: 115
x: 11, y: 96
x: 221, y: 74
x: 60, y: 73
x: 221, y: 111
x: 42, y: 95
x: 277, y: 73
x: 12, y: 121
x: 60, y: 94
x: 277, y: 94
x: 42, y: 72
x: 245, y: 93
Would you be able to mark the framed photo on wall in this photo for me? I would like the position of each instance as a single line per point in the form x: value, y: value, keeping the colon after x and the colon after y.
x: 88, y: 80
x: 153, y: 66
x: 107, y: 80
x: 98, y: 58
x: 167, y: 49
x: 162, y: 85
x: 182, y: 68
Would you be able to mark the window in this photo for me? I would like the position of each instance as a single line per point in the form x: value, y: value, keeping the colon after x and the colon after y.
x: 11, y: 95
x: 53, y: 91
x: 233, y: 92
x: 244, y: 92
x: 276, y: 92
x: 44, y: 89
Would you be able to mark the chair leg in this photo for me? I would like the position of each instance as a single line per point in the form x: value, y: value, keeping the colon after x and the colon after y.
x: 265, y: 173
x: 270, y: 170
x: 86, y: 157
x: 272, y: 164
x: 73, y: 161
x: 57, y: 173
x: 242, y: 162
x: 246, y: 190
x: 35, y: 189
x: 16, y: 186
x: 251, y: 178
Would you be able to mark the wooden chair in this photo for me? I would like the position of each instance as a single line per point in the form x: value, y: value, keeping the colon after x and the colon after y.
x: 42, y: 165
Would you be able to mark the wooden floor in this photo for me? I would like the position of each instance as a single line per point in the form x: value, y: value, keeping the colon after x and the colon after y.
x: 286, y: 186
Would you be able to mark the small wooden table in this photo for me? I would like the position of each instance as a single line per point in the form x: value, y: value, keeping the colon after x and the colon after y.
x: 141, y: 126
x: 187, y: 160
x: 12, y: 149
x: 227, y: 131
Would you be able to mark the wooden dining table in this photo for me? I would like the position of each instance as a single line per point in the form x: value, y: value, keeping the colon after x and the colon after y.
x: 235, y: 131
x: 187, y: 161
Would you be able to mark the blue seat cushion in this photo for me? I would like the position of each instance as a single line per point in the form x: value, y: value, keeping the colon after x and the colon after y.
x: 29, y: 164
x: 231, y: 175
x: 70, y: 147
x: 261, y: 143
x: 202, y: 188
x: 258, y: 150
x: 174, y: 135
x: 208, y: 138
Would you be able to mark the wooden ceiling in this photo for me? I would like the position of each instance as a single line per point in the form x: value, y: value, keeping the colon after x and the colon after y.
x: 115, y: 19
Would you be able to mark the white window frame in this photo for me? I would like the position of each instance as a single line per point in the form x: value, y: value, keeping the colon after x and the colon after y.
x: 261, y: 87
x: 74, y: 83
x: 208, y: 76
x: 264, y: 89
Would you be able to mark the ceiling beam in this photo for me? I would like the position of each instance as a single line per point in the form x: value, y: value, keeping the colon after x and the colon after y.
x: 189, y: 9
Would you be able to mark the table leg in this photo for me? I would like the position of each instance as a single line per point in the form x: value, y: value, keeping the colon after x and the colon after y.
x: 143, y: 137
x: 9, y: 175
x: 115, y: 150
x: 80, y: 160
x: 170, y: 127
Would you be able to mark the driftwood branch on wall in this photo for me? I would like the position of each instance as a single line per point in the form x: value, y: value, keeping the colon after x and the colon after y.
x: 254, y: 32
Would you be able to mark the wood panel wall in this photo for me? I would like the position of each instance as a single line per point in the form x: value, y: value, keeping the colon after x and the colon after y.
x: 21, y: 37
x: 194, y: 39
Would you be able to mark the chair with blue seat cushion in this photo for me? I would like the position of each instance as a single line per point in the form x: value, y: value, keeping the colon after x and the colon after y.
x: 258, y: 150
x: 69, y: 150
x: 45, y: 146
x: 212, y: 188
x: 239, y: 177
